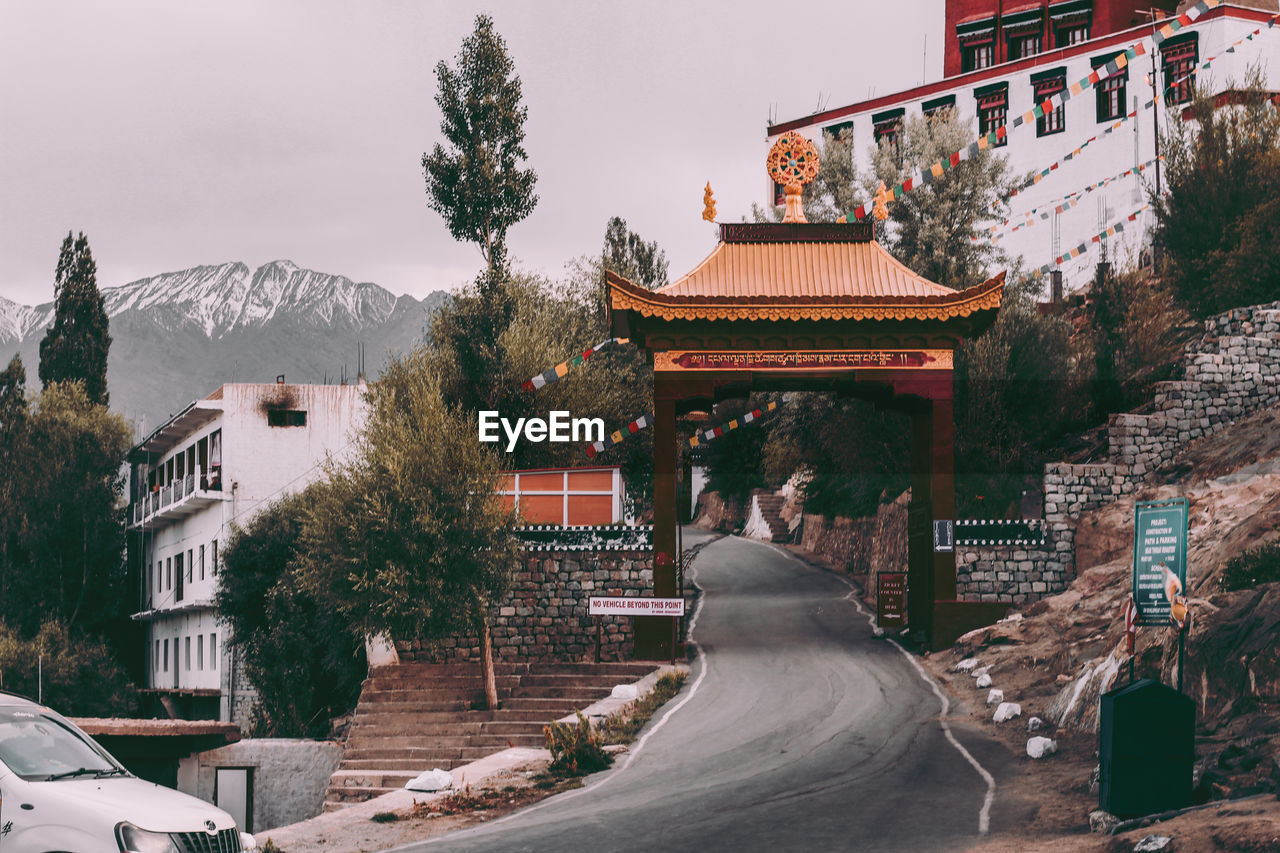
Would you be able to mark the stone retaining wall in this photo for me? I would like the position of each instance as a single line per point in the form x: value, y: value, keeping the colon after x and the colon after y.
x: 1230, y: 372
x: 544, y: 617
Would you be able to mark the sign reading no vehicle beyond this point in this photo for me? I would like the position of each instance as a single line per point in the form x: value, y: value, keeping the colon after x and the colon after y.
x: 1159, y: 547
x: 615, y: 606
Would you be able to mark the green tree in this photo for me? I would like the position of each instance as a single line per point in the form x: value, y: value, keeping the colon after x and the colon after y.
x: 477, y: 184
x: 77, y: 674
x: 930, y: 228
x: 305, y: 664
x: 1218, y: 221
x: 68, y: 562
x: 13, y: 432
x: 76, y: 346
x: 408, y: 539
x: 836, y: 189
x: 628, y: 255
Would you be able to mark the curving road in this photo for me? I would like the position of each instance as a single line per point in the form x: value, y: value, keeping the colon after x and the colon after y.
x: 797, y: 730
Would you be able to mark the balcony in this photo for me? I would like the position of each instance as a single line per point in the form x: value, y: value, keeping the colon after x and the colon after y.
x: 176, y: 500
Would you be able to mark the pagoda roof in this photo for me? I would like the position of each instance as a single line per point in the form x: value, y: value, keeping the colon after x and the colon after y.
x: 771, y: 271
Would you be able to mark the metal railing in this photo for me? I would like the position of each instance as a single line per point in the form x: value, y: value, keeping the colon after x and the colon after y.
x: 175, y: 492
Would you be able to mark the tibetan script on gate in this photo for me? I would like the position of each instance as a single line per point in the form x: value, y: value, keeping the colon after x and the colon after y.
x: 862, y: 359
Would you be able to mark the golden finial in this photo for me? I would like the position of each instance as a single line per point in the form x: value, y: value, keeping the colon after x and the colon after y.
x: 793, y: 162
x: 880, y: 211
x: 708, y: 205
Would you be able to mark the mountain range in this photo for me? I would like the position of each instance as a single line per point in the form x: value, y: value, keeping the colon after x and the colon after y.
x: 179, y: 335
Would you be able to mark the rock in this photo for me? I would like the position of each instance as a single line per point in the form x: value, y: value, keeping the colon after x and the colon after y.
x: 626, y: 692
x: 431, y: 780
x: 966, y: 665
x: 981, y: 671
x: 1007, y: 711
x: 1095, y: 778
x: 1012, y: 617
x: 1035, y: 724
x: 984, y: 680
x: 1041, y: 747
x: 1154, y: 844
x: 1103, y: 822
x: 615, y: 748
x: 995, y: 697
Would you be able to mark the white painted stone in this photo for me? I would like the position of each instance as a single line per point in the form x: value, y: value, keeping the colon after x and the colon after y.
x: 1153, y: 844
x: 1041, y: 747
x: 966, y: 665
x: 625, y: 692
x: 995, y: 697
x: 984, y: 680
x: 1035, y: 724
x: 379, y: 650
x: 981, y: 671
x: 430, y: 780
x: 1007, y: 711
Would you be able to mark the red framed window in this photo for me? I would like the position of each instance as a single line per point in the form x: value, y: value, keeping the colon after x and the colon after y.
x: 977, y: 54
x: 1022, y: 46
x: 1044, y: 88
x: 1179, y: 61
x: 1111, y: 91
x: 887, y: 129
x: 993, y: 109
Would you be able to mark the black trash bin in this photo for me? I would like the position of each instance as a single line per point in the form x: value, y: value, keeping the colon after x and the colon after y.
x: 1147, y: 749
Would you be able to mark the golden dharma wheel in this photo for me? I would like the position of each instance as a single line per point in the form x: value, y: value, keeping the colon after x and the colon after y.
x: 793, y: 160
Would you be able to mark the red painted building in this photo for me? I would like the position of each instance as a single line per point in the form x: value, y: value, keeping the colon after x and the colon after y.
x: 983, y: 33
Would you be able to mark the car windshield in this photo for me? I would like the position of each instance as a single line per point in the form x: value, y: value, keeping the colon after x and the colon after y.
x: 39, y: 746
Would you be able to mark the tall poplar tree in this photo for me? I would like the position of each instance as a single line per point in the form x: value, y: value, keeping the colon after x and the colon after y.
x: 76, y: 346
x: 477, y: 184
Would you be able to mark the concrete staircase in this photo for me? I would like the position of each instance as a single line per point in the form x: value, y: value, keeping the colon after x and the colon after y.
x: 419, y: 716
x: 764, y: 518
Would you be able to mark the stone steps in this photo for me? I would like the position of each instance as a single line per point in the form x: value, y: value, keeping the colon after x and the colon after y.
x: 417, y: 716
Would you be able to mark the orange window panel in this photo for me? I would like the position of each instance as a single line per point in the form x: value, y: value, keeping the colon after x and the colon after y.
x: 508, y: 502
x: 507, y: 483
x: 591, y: 481
x: 591, y: 509
x: 542, y: 509
x: 552, y: 481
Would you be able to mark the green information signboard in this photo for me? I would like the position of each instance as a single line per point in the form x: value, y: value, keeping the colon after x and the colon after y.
x: 1159, y: 547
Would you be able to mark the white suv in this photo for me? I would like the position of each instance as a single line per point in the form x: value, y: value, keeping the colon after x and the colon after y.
x: 62, y: 793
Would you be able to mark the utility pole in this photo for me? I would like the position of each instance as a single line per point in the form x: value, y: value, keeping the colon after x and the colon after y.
x: 1153, y: 14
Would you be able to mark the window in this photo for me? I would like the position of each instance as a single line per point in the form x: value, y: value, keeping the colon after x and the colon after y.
x: 887, y: 129
x: 200, y: 651
x: 1070, y: 21
x: 286, y: 418
x: 168, y: 572
x: 779, y: 195
x: 993, y: 108
x: 833, y: 131
x: 1046, y: 85
x: 977, y: 55
x: 157, y: 657
x: 933, y: 109
x: 213, y: 651
x: 1110, y: 91
x: 188, y: 654
x: 1178, y: 56
x: 191, y: 566
x: 177, y: 596
x: 213, y: 557
x: 201, y: 562
x: 1022, y: 46
x: 166, y: 655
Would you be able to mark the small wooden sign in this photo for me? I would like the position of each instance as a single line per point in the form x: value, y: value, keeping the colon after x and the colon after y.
x: 891, y: 599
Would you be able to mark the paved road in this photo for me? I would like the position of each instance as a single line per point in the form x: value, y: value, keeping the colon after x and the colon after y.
x: 800, y: 732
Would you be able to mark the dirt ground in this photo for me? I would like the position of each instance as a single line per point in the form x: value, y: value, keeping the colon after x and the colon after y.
x: 498, y: 795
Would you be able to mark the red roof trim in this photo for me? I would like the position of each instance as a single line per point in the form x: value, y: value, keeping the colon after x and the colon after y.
x: 963, y: 80
x: 549, y: 470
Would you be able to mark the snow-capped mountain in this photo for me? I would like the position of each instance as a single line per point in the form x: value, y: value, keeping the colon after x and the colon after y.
x: 178, y: 335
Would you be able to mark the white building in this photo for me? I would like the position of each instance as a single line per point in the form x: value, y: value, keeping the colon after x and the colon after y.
x: 214, y: 463
x: 1002, y: 58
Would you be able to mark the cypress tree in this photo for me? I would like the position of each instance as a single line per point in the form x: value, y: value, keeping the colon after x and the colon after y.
x: 76, y: 346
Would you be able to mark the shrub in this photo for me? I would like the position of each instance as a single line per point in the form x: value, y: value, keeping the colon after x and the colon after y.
x: 625, y: 725
x: 1253, y: 567
x: 80, y: 674
x: 575, y: 750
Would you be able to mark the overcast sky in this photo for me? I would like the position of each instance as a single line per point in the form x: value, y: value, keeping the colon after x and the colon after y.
x: 176, y: 134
